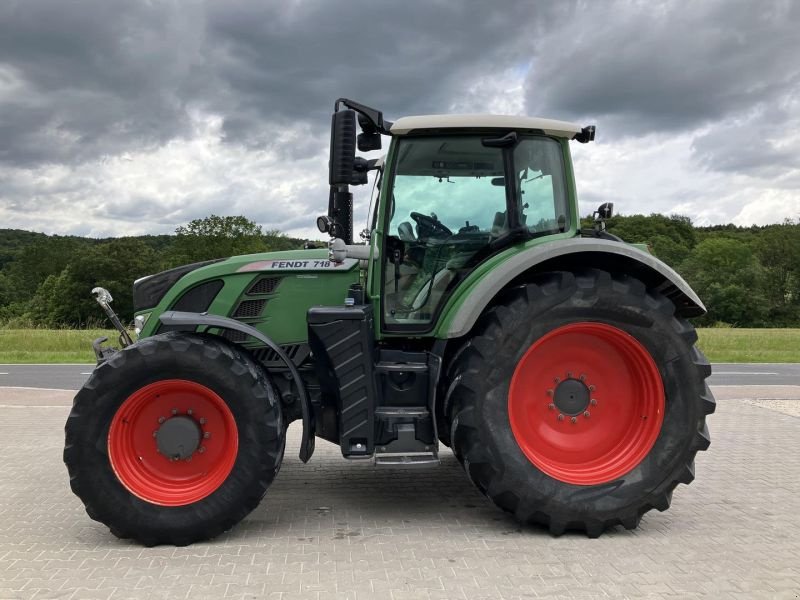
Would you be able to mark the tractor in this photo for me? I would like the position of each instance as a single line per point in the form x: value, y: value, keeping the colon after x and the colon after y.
x: 556, y: 361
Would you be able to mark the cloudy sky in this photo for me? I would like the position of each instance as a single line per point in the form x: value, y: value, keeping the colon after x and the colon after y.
x: 134, y: 117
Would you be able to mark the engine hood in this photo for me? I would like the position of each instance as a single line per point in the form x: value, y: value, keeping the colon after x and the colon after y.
x: 271, y: 291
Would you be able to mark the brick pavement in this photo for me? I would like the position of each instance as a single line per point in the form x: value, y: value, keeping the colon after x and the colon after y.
x: 336, y: 529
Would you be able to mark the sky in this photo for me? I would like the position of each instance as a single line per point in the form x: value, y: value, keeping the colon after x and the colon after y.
x: 134, y: 117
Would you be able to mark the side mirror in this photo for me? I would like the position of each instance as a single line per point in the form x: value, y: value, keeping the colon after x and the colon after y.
x: 369, y: 141
x: 343, y: 147
x: 606, y: 210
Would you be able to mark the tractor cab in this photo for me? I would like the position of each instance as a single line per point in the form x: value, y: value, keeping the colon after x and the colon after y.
x: 455, y: 190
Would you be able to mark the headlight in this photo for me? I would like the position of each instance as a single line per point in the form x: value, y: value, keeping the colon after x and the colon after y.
x: 139, y: 322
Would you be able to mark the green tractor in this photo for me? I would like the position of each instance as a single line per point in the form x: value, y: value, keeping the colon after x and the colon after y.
x: 556, y: 362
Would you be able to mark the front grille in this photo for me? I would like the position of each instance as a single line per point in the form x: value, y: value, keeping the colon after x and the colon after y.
x: 234, y: 336
x: 296, y: 352
x: 265, y: 285
x: 249, y: 309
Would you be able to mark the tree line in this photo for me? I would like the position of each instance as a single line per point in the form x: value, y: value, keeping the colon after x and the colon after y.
x: 45, y: 281
x: 746, y: 276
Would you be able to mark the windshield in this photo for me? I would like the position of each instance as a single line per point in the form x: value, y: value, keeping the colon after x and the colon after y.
x: 449, y: 202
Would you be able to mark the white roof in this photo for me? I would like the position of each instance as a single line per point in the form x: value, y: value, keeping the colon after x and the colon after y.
x: 549, y: 126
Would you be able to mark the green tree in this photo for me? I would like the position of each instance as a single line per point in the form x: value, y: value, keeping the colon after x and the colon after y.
x: 65, y: 299
x: 727, y: 276
x: 778, y: 248
x: 215, y: 237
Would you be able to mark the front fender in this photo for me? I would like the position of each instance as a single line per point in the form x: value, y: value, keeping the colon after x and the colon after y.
x: 477, y: 291
x: 187, y: 319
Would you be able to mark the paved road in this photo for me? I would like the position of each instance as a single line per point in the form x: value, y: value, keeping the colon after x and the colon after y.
x: 340, y: 530
x: 71, y: 377
x: 63, y: 377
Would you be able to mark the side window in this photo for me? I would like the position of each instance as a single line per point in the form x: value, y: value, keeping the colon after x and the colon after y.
x: 539, y: 167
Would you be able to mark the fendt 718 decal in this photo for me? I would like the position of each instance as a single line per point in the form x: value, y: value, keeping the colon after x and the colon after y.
x: 314, y: 264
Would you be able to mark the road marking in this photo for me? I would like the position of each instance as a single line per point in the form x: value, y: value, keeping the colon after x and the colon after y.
x: 89, y: 373
x: 46, y: 364
x: 730, y: 373
x: 20, y: 387
x: 3, y: 373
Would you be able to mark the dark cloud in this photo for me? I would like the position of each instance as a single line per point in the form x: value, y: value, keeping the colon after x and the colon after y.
x: 103, y: 77
x: 89, y: 78
x: 639, y: 67
x: 139, y: 116
x: 756, y: 145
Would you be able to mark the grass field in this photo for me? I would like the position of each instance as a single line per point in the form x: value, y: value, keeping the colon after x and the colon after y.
x: 719, y: 345
x: 50, y: 345
x: 750, y: 345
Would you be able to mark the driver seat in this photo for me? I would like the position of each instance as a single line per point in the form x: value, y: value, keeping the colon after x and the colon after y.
x: 405, y: 232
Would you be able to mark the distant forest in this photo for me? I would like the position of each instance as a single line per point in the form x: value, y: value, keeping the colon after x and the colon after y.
x: 747, y: 276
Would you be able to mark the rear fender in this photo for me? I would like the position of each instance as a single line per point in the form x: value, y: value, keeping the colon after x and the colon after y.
x: 467, y: 304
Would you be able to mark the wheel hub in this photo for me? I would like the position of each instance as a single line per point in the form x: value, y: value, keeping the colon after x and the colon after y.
x: 599, y: 421
x: 178, y: 437
x: 571, y: 397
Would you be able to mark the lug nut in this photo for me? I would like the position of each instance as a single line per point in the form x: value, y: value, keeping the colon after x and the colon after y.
x: 202, y: 421
x: 593, y: 402
x: 201, y: 449
x: 207, y: 435
x: 591, y: 388
x: 569, y: 374
x: 557, y: 380
x: 574, y: 419
x: 174, y: 411
x: 560, y: 417
x: 583, y: 377
x: 189, y: 412
x: 586, y: 414
x: 550, y: 392
x: 155, y: 433
x: 551, y: 406
x: 188, y: 459
x: 161, y: 419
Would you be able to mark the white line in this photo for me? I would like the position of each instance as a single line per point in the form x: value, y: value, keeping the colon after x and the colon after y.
x: 19, y: 387
x: 754, y: 385
x: 3, y: 373
x: 89, y: 373
x: 34, y: 406
x: 756, y: 364
x: 731, y: 373
x: 46, y: 364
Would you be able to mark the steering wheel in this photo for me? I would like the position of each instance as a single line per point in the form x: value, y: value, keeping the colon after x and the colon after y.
x: 428, y: 226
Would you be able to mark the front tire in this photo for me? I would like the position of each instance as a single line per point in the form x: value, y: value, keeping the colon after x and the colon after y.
x: 580, y: 401
x: 174, y: 439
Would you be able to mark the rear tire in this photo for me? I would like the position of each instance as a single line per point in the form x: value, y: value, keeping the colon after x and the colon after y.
x: 550, y: 429
x: 225, y: 427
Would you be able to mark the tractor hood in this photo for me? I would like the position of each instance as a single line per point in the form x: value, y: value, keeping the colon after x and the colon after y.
x: 271, y: 291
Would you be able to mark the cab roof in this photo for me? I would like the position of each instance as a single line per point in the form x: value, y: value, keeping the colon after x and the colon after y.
x: 406, y: 125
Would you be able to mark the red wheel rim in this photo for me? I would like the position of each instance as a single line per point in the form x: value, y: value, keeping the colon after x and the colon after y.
x: 614, y: 375
x: 134, y: 452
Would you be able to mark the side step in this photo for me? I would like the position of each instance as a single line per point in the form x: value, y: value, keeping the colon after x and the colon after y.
x: 406, y: 460
x: 406, y: 450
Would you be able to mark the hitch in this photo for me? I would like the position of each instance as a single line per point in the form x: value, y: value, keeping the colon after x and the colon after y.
x: 100, y: 353
x: 104, y: 299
